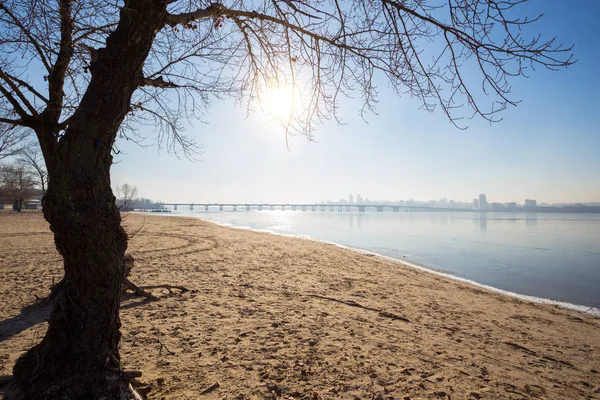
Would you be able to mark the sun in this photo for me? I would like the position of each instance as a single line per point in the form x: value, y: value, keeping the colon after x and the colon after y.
x: 281, y: 102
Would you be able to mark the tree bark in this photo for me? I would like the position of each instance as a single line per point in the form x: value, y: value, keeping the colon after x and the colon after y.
x: 79, y: 357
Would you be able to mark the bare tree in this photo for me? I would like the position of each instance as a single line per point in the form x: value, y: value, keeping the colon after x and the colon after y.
x: 31, y: 159
x: 109, y: 68
x: 128, y: 193
x: 16, y: 185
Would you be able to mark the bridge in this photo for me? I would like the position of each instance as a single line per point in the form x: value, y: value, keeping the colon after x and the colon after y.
x: 311, y: 207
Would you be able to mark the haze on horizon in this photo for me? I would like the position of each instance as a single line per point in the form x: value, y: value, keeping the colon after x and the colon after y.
x: 547, y: 148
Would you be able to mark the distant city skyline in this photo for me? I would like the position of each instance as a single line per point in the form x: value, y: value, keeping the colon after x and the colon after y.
x: 479, y: 203
x: 444, y: 202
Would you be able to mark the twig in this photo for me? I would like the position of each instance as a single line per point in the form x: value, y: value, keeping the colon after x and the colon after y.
x: 160, y: 341
x: 211, y: 388
x: 161, y: 347
x: 352, y: 303
x: 132, y: 235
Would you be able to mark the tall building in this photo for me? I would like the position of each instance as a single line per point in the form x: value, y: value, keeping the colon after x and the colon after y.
x: 497, y: 207
x: 475, y: 204
x: 350, y: 199
x: 359, y: 199
x: 530, y: 203
x: 483, y: 204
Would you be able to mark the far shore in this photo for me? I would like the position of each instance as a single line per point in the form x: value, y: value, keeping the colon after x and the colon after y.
x: 276, y: 317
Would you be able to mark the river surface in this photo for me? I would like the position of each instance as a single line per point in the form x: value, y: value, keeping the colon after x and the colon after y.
x: 551, y: 256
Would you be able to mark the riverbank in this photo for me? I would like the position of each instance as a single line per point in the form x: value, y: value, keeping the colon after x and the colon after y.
x: 544, y: 256
x: 277, y: 317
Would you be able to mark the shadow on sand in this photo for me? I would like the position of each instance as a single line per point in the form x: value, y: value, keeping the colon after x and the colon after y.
x: 30, y: 315
x: 39, y: 311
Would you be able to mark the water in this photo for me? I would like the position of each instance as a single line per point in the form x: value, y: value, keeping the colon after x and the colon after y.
x: 552, y: 256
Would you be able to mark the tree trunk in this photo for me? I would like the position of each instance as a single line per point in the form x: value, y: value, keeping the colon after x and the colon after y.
x: 79, y: 358
x: 18, y: 205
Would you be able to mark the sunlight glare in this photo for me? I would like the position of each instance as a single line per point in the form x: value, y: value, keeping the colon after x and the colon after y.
x: 281, y: 102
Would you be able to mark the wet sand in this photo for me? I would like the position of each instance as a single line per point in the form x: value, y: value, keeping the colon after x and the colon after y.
x: 272, y: 317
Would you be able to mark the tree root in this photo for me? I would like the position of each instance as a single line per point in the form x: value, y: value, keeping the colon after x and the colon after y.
x: 352, y: 303
x: 6, y: 379
x: 170, y: 288
x: 129, y: 375
x: 117, y: 387
x: 141, y: 291
x: 138, y: 291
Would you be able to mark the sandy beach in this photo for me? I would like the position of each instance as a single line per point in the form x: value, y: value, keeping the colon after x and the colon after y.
x: 273, y: 317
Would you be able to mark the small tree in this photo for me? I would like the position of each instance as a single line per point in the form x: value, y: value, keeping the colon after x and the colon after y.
x: 31, y: 159
x: 16, y: 185
x: 108, y: 67
x: 128, y: 193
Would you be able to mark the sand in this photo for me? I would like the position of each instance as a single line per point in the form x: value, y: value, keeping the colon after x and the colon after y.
x: 272, y: 317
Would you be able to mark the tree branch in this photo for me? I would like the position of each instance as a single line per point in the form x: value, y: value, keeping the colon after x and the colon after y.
x: 27, y: 86
x: 213, y: 10
x: 56, y: 79
x: 220, y: 10
x: 27, y: 34
x: 16, y: 105
x: 157, y: 82
x: 16, y: 122
x: 16, y: 90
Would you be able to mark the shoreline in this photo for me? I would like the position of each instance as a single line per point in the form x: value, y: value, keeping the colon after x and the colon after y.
x: 589, y: 310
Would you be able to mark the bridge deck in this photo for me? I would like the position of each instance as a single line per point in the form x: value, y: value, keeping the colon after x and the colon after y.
x: 315, y: 207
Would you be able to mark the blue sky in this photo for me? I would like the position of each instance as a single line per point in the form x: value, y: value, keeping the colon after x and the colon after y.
x: 547, y: 148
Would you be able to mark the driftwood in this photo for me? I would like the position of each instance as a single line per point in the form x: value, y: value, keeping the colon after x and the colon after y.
x: 352, y: 303
x: 129, y: 261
